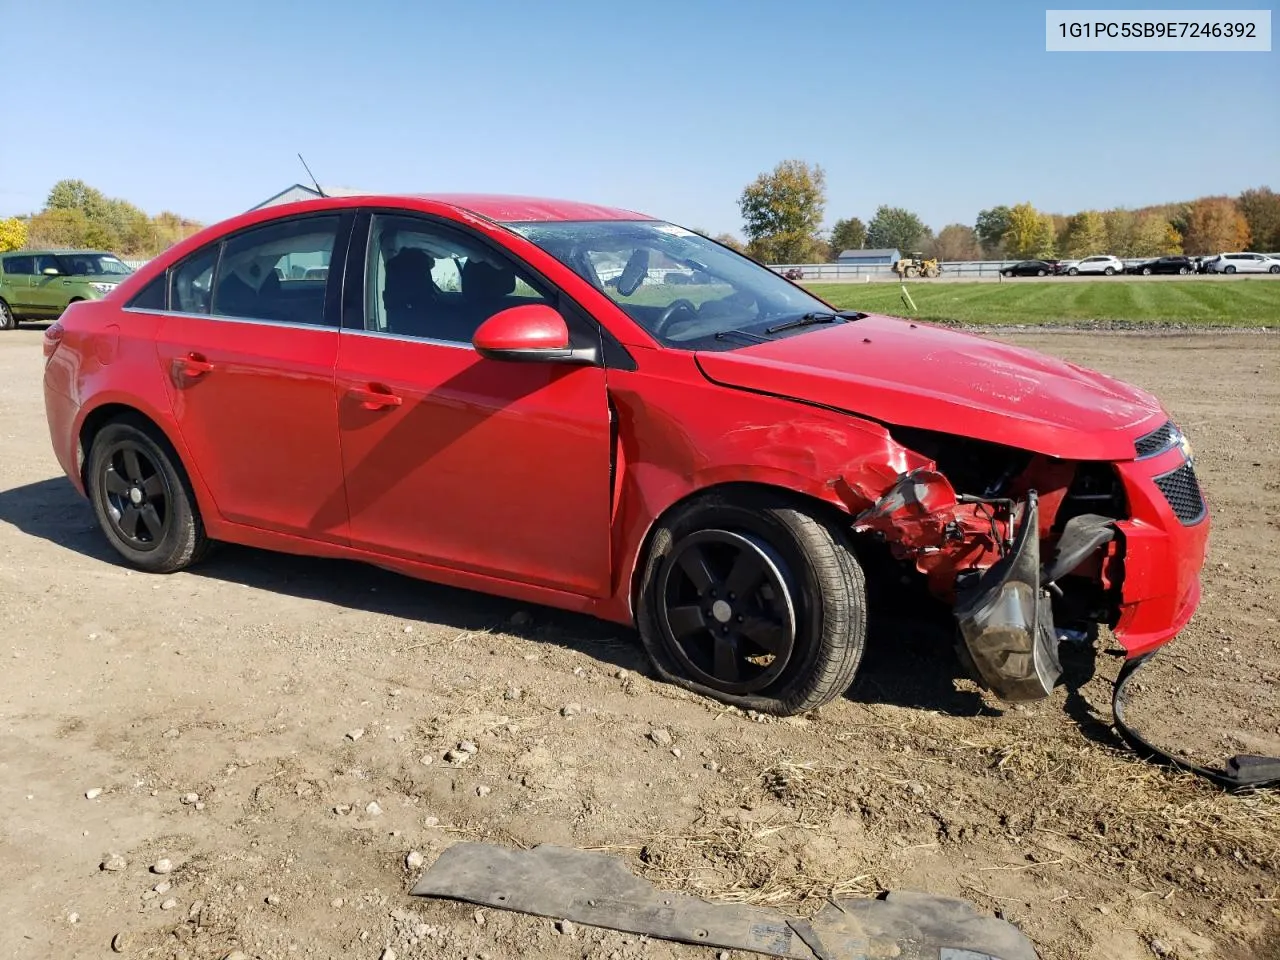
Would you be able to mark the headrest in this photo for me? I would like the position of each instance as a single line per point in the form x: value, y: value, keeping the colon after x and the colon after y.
x: 480, y: 279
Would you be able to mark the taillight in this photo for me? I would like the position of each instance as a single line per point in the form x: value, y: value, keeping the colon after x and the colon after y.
x: 52, y: 338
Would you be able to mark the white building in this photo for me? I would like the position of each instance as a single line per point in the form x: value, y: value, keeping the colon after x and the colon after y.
x: 300, y: 191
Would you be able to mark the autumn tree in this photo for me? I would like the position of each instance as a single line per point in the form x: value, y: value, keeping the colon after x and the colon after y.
x: 850, y: 234
x: 1215, y: 225
x: 13, y: 234
x: 956, y: 241
x: 990, y: 228
x: 1261, y: 210
x: 896, y: 228
x: 782, y: 211
x: 1086, y: 235
x: 730, y: 241
x: 1029, y: 234
x: 1153, y: 236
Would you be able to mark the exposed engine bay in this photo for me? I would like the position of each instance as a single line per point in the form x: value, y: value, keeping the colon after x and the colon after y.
x: 1023, y: 546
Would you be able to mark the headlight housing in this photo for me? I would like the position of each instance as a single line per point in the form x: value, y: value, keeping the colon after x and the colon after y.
x: 103, y: 288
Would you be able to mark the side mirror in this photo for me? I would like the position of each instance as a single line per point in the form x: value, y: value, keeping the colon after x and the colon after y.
x: 528, y: 334
x: 51, y: 272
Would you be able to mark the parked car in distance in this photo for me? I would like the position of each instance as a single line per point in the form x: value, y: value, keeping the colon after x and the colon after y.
x: 1105, y: 265
x: 1029, y: 268
x: 1172, y: 264
x: 1244, y: 263
x: 730, y: 464
x: 39, y: 284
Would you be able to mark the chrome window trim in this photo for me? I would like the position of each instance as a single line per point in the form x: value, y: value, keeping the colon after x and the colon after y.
x: 287, y: 324
x: 455, y: 344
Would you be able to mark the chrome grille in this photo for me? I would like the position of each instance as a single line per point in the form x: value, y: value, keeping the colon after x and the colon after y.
x: 1182, y: 490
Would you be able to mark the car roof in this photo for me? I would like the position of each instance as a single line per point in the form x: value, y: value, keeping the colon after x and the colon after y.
x: 57, y: 250
x: 499, y: 207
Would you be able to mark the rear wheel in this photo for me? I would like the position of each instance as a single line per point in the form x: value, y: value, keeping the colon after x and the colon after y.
x: 7, y: 320
x: 1182, y: 271
x: 143, y: 500
x: 1109, y: 271
x: 1229, y: 269
x: 1274, y: 269
x: 1041, y: 273
x: 754, y: 601
x: 1073, y: 272
x: 1146, y: 271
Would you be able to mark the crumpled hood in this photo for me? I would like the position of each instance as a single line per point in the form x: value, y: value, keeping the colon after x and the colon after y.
x: 919, y: 375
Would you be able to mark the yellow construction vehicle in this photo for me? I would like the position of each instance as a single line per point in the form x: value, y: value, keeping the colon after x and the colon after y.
x: 917, y: 266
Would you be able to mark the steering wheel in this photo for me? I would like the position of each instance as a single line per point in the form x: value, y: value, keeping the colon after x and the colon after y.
x: 674, y: 309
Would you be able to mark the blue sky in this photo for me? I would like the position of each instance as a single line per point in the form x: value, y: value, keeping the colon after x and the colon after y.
x: 667, y: 107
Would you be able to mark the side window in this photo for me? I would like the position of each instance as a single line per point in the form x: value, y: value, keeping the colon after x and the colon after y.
x: 20, y: 266
x: 152, y: 296
x: 44, y: 261
x: 273, y: 272
x: 193, y: 282
x: 426, y: 281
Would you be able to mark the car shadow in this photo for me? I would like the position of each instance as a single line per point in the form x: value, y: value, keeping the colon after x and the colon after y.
x: 909, y: 661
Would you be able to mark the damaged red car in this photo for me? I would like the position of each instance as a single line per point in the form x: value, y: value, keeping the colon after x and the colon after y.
x: 595, y: 410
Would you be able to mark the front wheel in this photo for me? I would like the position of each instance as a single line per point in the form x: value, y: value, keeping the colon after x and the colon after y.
x: 1182, y: 271
x: 1041, y: 273
x: 754, y: 601
x: 1146, y: 271
x: 142, y: 499
x: 1073, y: 272
x: 7, y: 320
x: 1274, y: 269
x: 1229, y: 270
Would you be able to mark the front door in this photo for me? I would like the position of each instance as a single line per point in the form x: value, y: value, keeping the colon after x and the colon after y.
x: 480, y: 465
x: 249, y: 351
x: 49, y: 294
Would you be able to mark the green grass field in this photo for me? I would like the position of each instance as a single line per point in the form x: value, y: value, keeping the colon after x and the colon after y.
x: 1104, y: 303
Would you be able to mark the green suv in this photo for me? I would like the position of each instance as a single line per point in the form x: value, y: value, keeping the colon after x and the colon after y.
x: 38, y: 284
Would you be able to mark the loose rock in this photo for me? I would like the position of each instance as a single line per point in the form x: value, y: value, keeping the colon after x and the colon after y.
x: 456, y: 757
x: 567, y: 927
x: 120, y: 942
x: 236, y: 955
x: 169, y: 904
x: 661, y: 736
x: 571, y: 710
x: 162, y: 866
x: 675, y: 752
x: 164, y: 886
x: 114, y: 863
x: 388, y: 954
x: 355, y: 734
x: 273, y: 900
x: 190, y: 798
x: 415, y: 860
x: 372, y: 809
x: 1160, y: 948
x: 482, y: 791
x: 513, y: 693
x: 73, y: 918
x: 93, y: 793
x: 466, y: 746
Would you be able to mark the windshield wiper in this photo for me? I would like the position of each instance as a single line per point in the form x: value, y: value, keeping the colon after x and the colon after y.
x: 809, y: 319
x: 753, y: 337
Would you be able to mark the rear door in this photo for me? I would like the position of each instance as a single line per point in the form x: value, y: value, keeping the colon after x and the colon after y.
x: 49, y: 294
x: 248, y: 347
x: 16, y: 286
x: 490, y: 467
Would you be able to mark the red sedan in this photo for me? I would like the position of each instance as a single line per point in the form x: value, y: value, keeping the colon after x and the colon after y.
x: 588, y: 408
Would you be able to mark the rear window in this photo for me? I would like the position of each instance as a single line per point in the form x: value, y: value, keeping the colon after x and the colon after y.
x: 154, y: 296
x: 19, y: 265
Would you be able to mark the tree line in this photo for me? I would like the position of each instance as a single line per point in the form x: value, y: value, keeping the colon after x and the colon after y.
x: 78, y: 216
x: 782, y: 213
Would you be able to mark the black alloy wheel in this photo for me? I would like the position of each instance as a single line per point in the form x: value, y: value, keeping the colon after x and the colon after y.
x: 726, y: 610
x: 136, y: 494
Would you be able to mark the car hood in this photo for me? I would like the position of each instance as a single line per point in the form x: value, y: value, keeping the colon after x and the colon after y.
x: 916, y: 374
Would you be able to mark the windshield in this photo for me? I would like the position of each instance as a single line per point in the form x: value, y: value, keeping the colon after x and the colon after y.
x: 681, y: 287
x: 92, y: 265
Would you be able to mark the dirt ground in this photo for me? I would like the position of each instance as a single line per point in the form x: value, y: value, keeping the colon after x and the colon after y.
x: 244, y: 682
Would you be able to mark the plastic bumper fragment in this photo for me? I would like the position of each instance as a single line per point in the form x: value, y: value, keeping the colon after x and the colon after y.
x: 1006, y: 620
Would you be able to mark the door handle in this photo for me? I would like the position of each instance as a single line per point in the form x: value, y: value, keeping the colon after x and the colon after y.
x: 374, y: 397
x: 191, y: 367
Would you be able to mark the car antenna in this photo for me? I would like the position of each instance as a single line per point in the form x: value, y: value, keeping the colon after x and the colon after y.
x: 313, y: 177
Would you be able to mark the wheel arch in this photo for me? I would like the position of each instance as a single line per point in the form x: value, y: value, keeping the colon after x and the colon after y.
x: 828, y: 510
x: 111, y: 411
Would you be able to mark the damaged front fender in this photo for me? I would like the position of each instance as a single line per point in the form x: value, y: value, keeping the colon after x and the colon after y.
x: 1004, y: 615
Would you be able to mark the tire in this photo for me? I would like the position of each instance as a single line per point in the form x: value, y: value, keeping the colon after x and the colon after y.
x: 1110, y: 271
x: 1229, y: 269
x: 822, y: 585
x: 912, y: 272
x: 1182, y: 271
x: 1146, y: 271
x: 1008, y: 273
x: 7, y: 320
x: 1040, y: 273
x: 1073, y: 272
x: 128, y: 456
x: 1275, y: 268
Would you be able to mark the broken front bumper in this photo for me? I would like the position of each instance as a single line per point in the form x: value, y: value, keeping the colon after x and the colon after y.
x: 1006, y: 620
